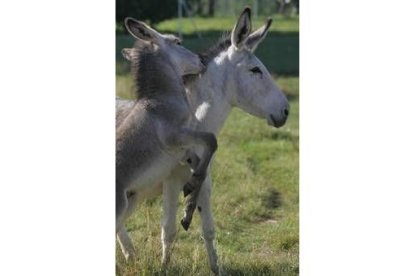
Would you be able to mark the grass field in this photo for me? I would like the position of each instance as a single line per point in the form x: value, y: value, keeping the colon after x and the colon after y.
x: 255, y: 202
x: 206, y: 26
x: 255, y: 195
x: 281, y: 24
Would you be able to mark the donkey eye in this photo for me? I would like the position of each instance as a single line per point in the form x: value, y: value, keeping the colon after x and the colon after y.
x: 256, y: 70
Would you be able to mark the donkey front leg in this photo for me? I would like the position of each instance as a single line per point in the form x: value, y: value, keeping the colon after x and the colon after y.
x: 191, y: 159
x: 207, y: 224
x: 209, y: 143
x: 171, y: 191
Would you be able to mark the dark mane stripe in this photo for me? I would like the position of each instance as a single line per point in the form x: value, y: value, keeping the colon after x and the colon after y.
x: 208, y: 55
x: 221, y: 45
x: 152, y: 72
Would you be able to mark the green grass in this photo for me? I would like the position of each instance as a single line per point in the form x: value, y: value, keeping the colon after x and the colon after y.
x: 255, y: 202
x: 280, y: 24
x: 208, y: 26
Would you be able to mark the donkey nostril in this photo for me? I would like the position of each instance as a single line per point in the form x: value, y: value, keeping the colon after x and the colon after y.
x: 286, y: 112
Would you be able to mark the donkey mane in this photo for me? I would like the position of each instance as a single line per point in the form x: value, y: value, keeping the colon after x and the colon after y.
x: 152, y: 72
x: 221, y: 45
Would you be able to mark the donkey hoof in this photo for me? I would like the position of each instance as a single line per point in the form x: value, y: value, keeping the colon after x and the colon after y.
x: 185, y: 224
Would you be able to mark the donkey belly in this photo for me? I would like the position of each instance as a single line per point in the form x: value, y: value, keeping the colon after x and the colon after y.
x: 146, y: 181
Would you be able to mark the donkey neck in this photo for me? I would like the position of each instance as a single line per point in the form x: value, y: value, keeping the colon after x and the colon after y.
x: 155, y: 76
x: 209, y: 99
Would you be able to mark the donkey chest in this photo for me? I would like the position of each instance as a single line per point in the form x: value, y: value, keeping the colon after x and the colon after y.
x: 173, y: 112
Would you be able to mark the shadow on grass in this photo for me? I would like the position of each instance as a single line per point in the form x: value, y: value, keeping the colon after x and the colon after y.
x: 283, y: 135
x: 271, y: 199
x: 282, y: 269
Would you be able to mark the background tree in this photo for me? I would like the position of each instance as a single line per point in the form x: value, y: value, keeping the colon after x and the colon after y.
x: 153, y: 11
x: 211, y: 7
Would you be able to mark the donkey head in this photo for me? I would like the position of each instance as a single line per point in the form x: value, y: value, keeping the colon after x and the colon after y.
x: 182, y: 59
x: 253, y: 87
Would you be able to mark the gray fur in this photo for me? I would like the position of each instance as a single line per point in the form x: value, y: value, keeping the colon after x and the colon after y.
x: 153, y: 133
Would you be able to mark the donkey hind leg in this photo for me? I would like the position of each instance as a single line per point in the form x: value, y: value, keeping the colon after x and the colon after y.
x: 121, y: 206
x: 125, y: 242
x: 171, y: 191
x: 207, y: 224
x: 190, y: 138
x: 123, y: 238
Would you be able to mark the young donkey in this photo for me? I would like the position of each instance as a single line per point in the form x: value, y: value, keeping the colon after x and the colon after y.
x: 154, y: 134
x: 234, y: 77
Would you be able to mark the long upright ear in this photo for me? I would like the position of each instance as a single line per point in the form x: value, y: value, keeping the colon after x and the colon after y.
x: 242, y: 29
x: 255, y: 38
x: 140, y: 30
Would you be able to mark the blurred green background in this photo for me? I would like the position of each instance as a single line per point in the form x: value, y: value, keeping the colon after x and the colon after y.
x: 279, y: 52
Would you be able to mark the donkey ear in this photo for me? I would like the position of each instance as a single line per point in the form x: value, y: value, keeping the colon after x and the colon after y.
x: 255, y: 38
x: 140, y: 30
x: 242, y: 29
x: 127, y: 53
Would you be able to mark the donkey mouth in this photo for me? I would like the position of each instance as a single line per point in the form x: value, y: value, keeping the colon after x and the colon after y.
x: 277, y: 123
